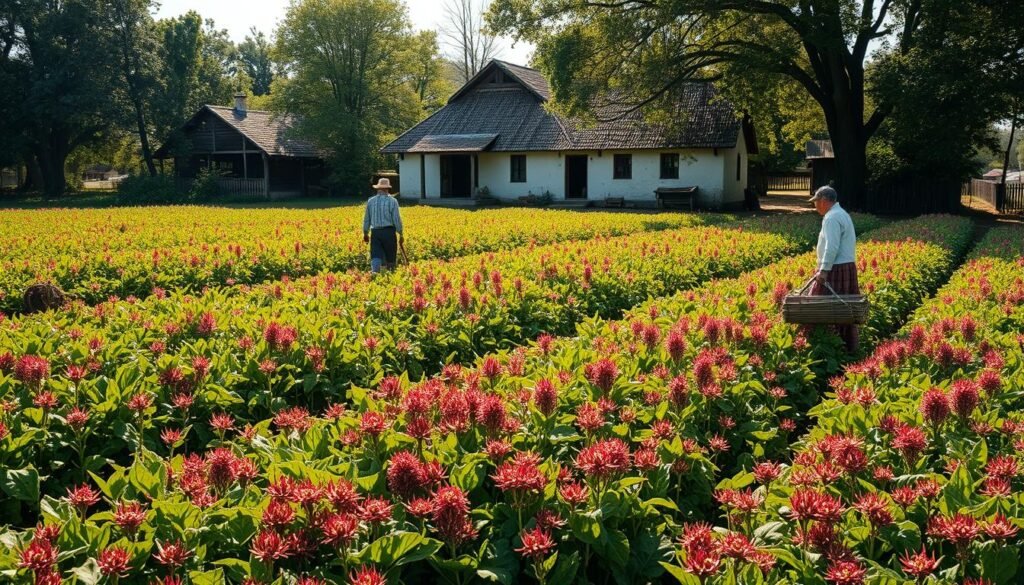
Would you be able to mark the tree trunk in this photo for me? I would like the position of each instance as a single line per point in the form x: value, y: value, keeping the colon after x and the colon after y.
x: 51, y: 171
x: 147, y: 153
x: 33, y: 174
x: 850, y: 148
x: 1009, y: 144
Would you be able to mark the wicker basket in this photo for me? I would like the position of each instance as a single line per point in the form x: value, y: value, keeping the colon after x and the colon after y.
x: 835, y: 309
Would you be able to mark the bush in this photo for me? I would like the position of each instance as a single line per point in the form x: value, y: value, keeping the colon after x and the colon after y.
x: 138, y: 189
x: 146, y: 189
x: 205, y: 186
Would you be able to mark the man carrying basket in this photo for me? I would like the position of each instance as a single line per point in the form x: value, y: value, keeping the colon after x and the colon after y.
x: 837, y: 266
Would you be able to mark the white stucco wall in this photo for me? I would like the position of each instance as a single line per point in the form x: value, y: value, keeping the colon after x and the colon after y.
x: 409, y: 176
x: 732, y: 191
x: 544, y: 172
x: 715, y: 174
x: 432, y: 171
x: 696, y: 167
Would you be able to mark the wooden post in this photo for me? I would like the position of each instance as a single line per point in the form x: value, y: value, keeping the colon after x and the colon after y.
x: 423, y: 176
x: 245, y: 161
x: 472, y: 176
x: 266, y: 176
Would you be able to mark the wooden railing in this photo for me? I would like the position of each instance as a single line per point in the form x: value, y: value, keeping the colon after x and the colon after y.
x: 793, y: 182
x: 232, y: 186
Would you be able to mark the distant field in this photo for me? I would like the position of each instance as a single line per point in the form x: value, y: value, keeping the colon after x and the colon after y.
x: 97, y: 253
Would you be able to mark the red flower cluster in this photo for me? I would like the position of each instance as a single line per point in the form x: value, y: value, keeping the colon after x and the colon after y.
x: 604, y: 459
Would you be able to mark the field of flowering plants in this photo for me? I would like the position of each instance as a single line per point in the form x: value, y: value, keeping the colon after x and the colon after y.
x: 911, y: 472
x: 592, y: 411
x: 99, y: 253
x: 250, y: 355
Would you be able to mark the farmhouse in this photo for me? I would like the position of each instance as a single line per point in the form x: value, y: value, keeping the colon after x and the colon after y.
x: 253, y: 152
x: 494, y: 137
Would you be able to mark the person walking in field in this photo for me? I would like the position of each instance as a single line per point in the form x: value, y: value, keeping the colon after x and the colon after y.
x: 381, y: 223
x: 837, y: 256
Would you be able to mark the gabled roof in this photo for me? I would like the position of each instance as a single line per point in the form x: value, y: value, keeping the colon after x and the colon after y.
x: 515, y: 113
x: 271, y: 133
x: 820, y: 149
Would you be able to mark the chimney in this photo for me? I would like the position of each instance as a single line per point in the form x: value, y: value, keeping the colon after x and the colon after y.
x: 240, y: 105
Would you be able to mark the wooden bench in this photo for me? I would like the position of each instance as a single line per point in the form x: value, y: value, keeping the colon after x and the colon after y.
x: 675, y: 197
x: 615, y: 202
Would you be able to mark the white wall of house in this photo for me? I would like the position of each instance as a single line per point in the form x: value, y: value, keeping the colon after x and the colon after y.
x: 409, y: 176
x: 696, y: 167
x: 714, y: 174
x: 544, y: 172
x: 732, y: 187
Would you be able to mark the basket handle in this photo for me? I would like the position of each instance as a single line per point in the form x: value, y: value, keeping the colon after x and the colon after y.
x: 807, y: 284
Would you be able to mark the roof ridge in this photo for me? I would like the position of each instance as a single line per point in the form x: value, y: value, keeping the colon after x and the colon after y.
x: 248, y: 111
x: 527, y: 67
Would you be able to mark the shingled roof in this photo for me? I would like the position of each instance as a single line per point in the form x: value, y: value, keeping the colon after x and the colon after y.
x: 515, y: 113
x: 272, y: 133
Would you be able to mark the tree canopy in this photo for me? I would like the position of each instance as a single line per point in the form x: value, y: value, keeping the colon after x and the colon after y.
x: 355, y: 75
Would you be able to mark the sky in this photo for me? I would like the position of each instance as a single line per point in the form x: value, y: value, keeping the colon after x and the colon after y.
x: 237, y: 16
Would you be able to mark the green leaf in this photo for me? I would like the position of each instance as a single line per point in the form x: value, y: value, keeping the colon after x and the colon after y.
x: 237, y: 569
x: 585, y: 527
x: 145, y: 477
x: 999, y: 564
x: 214, y: 577
x: 469, y: 476
x: 680, y: 575
x: 88, y: 574
x: 21, y: 484
x: 565, y: 568
x: 613, y: 546
x: 662, y: 503
x: 400, y: 549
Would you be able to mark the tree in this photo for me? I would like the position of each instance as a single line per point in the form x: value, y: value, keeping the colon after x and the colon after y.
x: 349, y: 72
x: 58, y: 71
x: 471, y: 45
x: 136, y: 40
x: 643, y: 49
x: 254, y: 59
x: 197, y: 69
x: 429, y: 74
x: 943, y: 99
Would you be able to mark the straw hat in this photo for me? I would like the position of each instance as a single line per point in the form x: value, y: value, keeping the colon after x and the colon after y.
x: 383, y: 183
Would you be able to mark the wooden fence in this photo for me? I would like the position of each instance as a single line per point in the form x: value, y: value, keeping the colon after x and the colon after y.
x: 791, y: 182
x: 1008, y: 198
x: 913, y: 195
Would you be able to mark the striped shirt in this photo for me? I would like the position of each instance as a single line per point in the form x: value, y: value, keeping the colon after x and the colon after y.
x: 381, y: 212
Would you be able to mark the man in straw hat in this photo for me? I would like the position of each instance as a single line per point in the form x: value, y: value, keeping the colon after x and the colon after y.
x: 383, y: 221
x: 837, y: 266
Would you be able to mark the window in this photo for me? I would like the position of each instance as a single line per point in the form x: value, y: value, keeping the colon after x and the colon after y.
x: 518, y: 168
x: 739, y: 163
x: 669, y: 165
x: 623, y: 166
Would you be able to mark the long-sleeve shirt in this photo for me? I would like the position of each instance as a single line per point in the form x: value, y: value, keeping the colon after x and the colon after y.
x: 382, y: 211
x: 837, y: 241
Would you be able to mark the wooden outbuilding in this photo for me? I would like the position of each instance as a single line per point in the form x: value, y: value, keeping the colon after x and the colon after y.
x: 253, y: 152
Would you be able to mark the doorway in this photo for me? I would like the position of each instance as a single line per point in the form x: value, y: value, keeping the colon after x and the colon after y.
x: 576, y: 176
x: 456, y: 176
